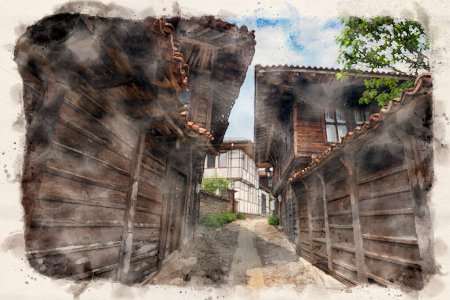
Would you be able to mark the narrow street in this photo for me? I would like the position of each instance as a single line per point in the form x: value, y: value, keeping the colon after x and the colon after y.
x: 248, y: 253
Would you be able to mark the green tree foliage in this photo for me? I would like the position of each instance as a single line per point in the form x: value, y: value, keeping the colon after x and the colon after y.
x: 382, y: 43
x: 215, y: 183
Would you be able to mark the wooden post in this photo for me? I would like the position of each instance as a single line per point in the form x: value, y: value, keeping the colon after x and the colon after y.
x: 357, y: 234
x: 127, y: 236
x: 325, y: 215
x: 164, y: 219
x: 310, y: 233
x: 231, y: 200
x: 422, y: 219
x: 187, y: 202
x: 294, y: 125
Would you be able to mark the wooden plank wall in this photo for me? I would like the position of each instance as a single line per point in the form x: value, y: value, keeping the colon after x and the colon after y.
x: 78, y: 184
x: 357, y: 218
x: 340, y: 223
x: 387, y: 216
x: 77, y: 216
x: 147, y: 218
x: 289, y: 208
x: 304, y: 241
x: 310, y: 137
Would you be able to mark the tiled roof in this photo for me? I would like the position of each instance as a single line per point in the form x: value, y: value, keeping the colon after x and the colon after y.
x: 374, y: 120
x: 333, y: 70
x: 200, y: 130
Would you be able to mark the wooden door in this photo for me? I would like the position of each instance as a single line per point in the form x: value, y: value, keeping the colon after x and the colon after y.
x: 176, y: 200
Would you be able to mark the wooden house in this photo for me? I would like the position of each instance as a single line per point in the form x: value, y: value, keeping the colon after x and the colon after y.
x: 120, y: 115
x: 357, y: 207
x: 301, y: 111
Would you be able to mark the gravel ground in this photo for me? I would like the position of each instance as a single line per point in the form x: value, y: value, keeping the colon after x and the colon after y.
x: 206, y: 261
x: 248, y: 253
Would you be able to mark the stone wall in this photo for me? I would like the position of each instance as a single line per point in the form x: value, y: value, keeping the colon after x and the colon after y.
x: 213, y: 204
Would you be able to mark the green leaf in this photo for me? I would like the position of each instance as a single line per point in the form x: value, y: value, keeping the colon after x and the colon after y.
x: 382, y: 42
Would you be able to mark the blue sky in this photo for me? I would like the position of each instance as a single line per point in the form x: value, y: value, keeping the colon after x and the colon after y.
x: 292, y: 40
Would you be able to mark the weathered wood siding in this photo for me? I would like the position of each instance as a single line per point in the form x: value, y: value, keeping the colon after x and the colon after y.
x: 148, y: 211
x: 79, y: 182
x: 112, y: 167
x: 387, y: 215
x: 84, y: 164
x: 363, y: 213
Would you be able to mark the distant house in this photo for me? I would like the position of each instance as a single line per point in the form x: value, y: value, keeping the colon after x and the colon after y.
x: 265, y: 185
x: 235, y: 161
x: 352, y: 181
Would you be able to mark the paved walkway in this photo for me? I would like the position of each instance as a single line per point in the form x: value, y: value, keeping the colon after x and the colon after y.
x: 265, y: 258
x: 245, y: 254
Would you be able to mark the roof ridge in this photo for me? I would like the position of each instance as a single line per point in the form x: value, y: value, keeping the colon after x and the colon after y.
x: 333, y: 69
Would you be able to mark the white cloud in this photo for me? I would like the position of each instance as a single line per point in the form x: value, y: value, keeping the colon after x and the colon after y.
x: 272, y: 48
x: 313, y: 44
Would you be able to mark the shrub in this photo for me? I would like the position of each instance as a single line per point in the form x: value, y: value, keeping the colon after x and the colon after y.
x: 215, y: 183
x: 230, y: 217
x: 214, y: 221
x: 240, y: 216
x: 273, y: 219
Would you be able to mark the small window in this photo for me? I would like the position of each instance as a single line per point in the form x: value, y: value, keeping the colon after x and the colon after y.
x: 210, y: 161
x: 223, y: 160
x: 245, y: 162
x: 185, y: 97
x: 342, y: 130
x: 340, y: 117
x: 329, y: 115
x: 331, y: 133
x: 335, y: 124
x: 359, y: 117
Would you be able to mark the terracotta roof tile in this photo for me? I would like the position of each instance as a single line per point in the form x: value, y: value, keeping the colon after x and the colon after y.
x: 313, y: 68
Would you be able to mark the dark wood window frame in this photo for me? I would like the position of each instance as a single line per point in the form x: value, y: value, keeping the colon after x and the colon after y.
x: 223, y: 162
x: 210, y: 161
x: 335, y: 122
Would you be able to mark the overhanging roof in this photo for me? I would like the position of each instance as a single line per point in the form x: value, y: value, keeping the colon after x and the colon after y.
x: 278, y: 86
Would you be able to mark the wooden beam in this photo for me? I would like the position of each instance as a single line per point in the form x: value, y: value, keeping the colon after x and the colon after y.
x: 348, y: 163
x: 198, y: 43
x: 325, y: 214
x: 269, y: 142
x: 164, y: 220
x: 294, y: 125
x: 169, y: 122
x: 131, y: 200
x: 310, y: 233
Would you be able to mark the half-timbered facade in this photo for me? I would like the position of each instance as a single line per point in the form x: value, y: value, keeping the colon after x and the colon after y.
x: 235, y: 162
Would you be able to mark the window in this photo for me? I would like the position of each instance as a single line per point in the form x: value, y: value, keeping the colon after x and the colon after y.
x: 223, y: 160
x: 361, y: 115
x: 335, y: 124
x: 210, y: 161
